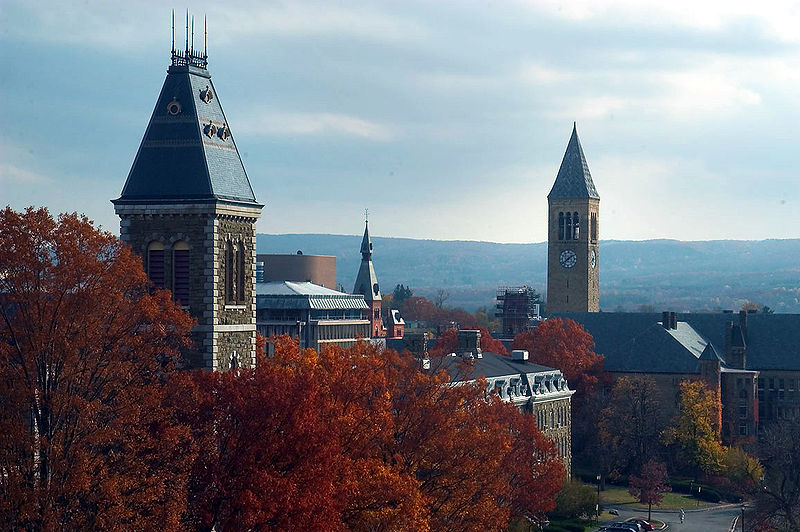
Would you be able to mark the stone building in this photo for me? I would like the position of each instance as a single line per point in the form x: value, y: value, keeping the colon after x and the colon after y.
x: 757, y: 366
x: 537, y: 390
x: 188, y: 209
x: 573, y: 282
x: 367, y: 285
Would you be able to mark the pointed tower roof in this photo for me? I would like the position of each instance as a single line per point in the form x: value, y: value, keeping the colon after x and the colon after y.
x: 366, y: 280
x: 366, y: 243
x: 188, y: 154
x: 573, y: 179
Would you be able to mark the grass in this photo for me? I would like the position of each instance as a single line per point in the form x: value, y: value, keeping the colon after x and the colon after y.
x: 671, y: 501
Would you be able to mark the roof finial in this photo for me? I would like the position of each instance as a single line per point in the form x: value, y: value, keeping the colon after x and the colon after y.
x: 192, y: 34
x: 173, y: 32
x: 366, y: 216
x: 187, y: 32
x: 205, y: 37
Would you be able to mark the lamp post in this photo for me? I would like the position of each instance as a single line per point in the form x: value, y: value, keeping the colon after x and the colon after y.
x: 597, y: 508
x: 743, y: 507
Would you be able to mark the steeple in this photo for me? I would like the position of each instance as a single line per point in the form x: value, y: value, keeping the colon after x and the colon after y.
x: 574, y: 179
x: 366, y: 244
x: 188, y: 153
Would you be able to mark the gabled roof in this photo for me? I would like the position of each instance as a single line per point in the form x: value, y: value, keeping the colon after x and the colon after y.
x: 773, y: 340
x: 188, y: 154
x: 304, y: 295
x: 573, y: 179
x: 659, y: 350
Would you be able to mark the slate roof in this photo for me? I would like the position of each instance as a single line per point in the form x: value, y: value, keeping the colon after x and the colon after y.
x: 182, y: 158
x: 574, y: 179
x: 659, y: 350
x: 366, y: 281
x: 304, y: 295
x: 773, y: 340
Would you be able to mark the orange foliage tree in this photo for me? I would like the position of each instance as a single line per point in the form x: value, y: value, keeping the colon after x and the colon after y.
x: 565, y: 345
x: 87, y: 440
x: 447, y: 342
x: 362, y: 439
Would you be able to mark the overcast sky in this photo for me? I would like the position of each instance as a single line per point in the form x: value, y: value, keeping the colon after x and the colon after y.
x: 448, y: 120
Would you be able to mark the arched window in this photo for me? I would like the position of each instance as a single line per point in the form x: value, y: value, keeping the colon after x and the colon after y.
x: 568, y: 231
x: 155, y: 263
x: 576, y: 226
x: 240, y: 272
x: 593, y: 228
x: 561, y: 226
x: 229, y: 267
x: 180, y: 272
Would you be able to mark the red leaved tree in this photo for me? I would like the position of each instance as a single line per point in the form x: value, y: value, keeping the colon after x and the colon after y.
x: 650, y: 485
x: 565, y: 345
x: 270, y: 456
x: 87, y: 440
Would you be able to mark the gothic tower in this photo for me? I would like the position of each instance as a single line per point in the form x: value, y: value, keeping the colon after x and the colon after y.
x: 572, y: 236
x: 367, y: 285
x: 188, y: 209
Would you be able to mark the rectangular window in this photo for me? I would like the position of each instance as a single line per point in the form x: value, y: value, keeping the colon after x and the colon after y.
x: 742, y: 409
x: 780, y: 389
x: 180, y: 267
x: 155, y: 267
x: 743, y: 429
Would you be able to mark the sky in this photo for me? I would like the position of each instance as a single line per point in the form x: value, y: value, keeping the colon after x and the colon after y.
x: 446, y: 119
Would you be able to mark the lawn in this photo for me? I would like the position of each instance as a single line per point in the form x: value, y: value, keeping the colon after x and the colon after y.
x: 672, y: 501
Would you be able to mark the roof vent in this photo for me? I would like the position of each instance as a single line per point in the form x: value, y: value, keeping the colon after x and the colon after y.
x: 519, y: 354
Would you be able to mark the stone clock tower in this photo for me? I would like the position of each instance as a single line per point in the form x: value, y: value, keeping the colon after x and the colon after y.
x: 572, y: 236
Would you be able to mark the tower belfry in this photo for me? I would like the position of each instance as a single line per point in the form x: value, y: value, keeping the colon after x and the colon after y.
x: 367, y: 284
x: 572, y: 235
x: 189, y: 210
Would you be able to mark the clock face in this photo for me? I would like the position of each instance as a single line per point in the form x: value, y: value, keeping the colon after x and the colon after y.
x: 593, y: 259
x: 568, y: 258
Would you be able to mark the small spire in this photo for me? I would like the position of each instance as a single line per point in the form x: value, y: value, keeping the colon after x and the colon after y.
x: 173, y: 32
x: 205, y: 37
x: 192, y: 34
x: 366, y: 215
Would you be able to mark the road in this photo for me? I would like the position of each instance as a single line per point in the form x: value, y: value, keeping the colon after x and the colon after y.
x: 707, y: 520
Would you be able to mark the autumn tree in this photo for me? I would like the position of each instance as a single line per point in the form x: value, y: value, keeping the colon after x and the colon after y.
x: 778, y: 503
x: 650, y: 485
x: 696, y: 428
x: 566, y: 345
x: 575, y: 500
x: 270, y: 457
x: 630, y: 426
x: 87, y: 438
x: 743, y: 470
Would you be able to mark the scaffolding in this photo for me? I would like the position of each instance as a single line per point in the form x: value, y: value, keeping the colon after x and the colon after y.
x: 518, y: 309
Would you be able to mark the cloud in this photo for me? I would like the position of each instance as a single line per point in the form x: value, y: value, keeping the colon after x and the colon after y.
x: 110, y: 24
x: 10, y: 173
x: 271, y: 123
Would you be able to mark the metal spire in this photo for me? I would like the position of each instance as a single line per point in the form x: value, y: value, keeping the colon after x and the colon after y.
x: 187, y: 32
x: 205, y: 37
x: 173, y: 32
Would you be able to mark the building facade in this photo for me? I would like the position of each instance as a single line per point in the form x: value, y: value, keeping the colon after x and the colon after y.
x: 188, y: 209
x: 316, y: 315
x: 573, y: 281
x: 298, y: 267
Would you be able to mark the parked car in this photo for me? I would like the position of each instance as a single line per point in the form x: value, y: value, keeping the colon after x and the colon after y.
x: 642, y: 523
x: 613, y: 511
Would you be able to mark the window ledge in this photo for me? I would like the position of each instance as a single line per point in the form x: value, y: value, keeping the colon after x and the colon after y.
x: 234, y: 306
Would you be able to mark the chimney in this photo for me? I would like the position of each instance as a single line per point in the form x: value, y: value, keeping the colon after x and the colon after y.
x: 665, y: 319
x: 673, y: 320
x: 469, y: 343
x: 520, y: 355
x: 743, y: 323
x: 417, y: 343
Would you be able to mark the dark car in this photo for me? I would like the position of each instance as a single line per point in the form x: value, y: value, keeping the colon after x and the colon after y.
x: 612, y: 511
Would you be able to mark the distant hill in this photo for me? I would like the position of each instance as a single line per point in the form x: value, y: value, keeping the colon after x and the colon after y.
x: 681, y: 276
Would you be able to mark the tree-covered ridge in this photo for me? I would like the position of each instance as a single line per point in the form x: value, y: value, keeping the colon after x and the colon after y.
x: 702, y: 275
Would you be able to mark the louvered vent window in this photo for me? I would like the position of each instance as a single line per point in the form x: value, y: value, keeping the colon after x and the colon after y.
x: 180, y: 273
x: 155, y: 264
x: 240, y: 272
x: 229, y: 267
